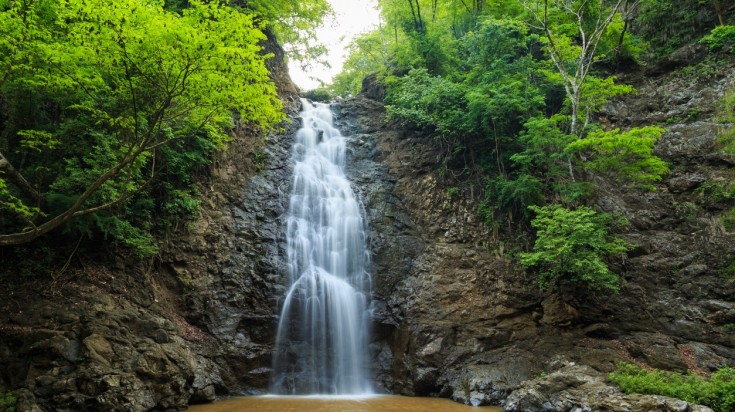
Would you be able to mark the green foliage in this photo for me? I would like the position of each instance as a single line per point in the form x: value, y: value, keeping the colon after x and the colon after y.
x: 430, y: 45
x: 505, y: 85
x: 428, y: 102
x: 726, y: 107
x: 505, y: 95
x: 597, y: 91
x: 113, y: 108
x: 670, y: 24
x: 7, y: 402
x: 514, y: 195
x: 685, y: 210
x: 715, y: 195
x: 319, y: 95
x: 625, y: 156
x: 294, y: 23
x: 728, y: 272
x: 368, y: 54
x: 631, y: 50
x: 571, y: 246
x: 717, y: 392
x: 574, y: 39
x: 545, y: 160
x: 138, y: 240
x: 728, y: 219
x: 544, y: 146
x: 721, y: 37
x: 11, y: 203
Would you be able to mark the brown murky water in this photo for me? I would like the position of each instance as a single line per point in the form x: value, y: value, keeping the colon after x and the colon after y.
x: 339, y: 404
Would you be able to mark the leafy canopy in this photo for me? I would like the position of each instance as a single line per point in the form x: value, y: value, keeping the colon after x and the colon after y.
x: 111, y: 85
x: 294, y: 24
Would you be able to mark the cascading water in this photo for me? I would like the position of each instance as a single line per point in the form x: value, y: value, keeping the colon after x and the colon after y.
x: 322, y: 335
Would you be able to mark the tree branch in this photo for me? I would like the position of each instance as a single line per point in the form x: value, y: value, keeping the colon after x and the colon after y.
x: 19, y: 180
x: 27, y: 236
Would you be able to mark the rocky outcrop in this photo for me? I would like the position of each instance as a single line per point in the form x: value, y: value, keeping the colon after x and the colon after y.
x: 447, y: 303
x: 225, y: 274
x: 101, y: 343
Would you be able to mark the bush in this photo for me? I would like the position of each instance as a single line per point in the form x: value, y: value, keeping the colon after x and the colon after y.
x: 728, y: 219
x: 571, y: 245
x: 721, y: 37
x: 626, y: 157
x: 670, y: 24
x: 718, y: 392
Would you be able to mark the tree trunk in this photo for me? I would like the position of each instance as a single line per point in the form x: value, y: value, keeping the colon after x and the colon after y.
x: 718, y: 10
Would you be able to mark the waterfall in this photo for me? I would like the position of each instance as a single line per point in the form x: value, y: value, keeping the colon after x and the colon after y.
x: 322, y: 337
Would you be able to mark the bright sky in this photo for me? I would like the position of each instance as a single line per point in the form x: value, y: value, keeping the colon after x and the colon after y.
x: 352, y: 17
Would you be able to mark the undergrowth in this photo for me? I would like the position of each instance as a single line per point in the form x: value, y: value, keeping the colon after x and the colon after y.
x: 717, y: 392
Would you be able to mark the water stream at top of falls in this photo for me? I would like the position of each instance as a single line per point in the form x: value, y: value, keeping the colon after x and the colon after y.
x: 321, y: 343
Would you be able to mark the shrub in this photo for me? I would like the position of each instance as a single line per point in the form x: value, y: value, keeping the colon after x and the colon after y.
x: 718, y: 392
x: 728, y: 219
x: 721, y: 37
x: 571, y: 245
x: 726, y: 116
x: 626, y: 157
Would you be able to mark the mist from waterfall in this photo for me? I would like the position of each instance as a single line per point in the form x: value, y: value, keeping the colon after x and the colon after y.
x: 321, y: 344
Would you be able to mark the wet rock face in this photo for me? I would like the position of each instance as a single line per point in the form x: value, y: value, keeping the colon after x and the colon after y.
x: 228, y: 271
x: 678, y: 290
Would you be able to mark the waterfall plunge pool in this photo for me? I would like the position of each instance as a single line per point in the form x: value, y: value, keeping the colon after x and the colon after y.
x: 345, y: 403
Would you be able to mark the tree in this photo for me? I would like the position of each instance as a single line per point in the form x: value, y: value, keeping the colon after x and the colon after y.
x: 571, y: 246
x: 129, y: 78
x: 294, y: 24
x: 368, y: 53
x: 718, y: 11
x: 573, y: 60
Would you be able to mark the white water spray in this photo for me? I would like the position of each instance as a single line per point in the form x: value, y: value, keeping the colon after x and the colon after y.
x: 322, y: 337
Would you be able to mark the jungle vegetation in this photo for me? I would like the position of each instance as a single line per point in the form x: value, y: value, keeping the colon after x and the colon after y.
x: 511, y: 89
x: 110, y: 112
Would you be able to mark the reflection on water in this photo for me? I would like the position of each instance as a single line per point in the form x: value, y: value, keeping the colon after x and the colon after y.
x: 337, y: 404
